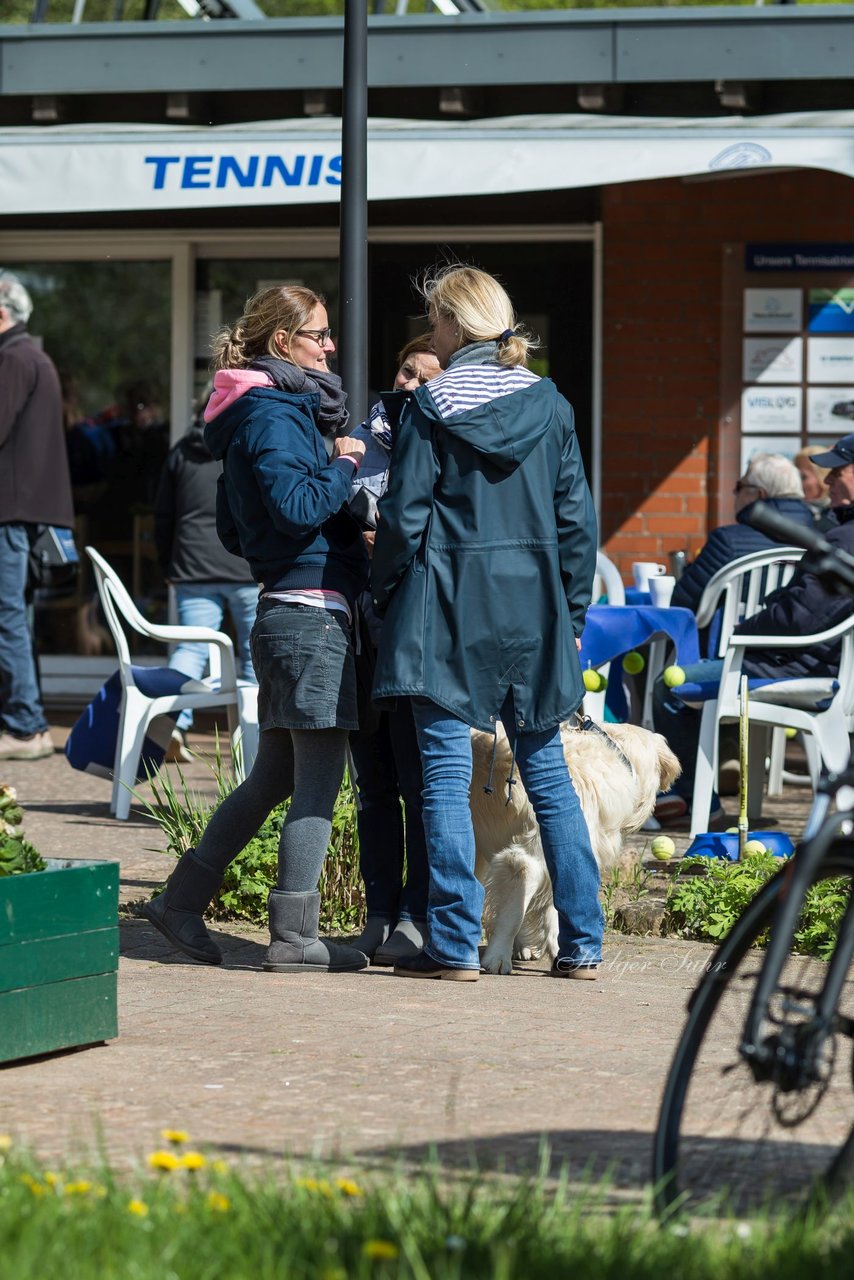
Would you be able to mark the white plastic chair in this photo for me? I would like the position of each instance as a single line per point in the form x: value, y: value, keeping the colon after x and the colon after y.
x: 138, y: 710
x: 607, y: 582
x: 820, y: 706
x: 739, y: 589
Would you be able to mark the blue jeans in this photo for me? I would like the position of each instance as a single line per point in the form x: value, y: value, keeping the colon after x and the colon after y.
x: 203, y: 604
x: 388, y: 766
x: 456, y: 896
x: 21, y: 711
x: 680, y: 724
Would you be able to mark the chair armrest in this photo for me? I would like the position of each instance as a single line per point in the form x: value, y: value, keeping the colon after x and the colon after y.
x: 197, y: 635
x: 791, y: 642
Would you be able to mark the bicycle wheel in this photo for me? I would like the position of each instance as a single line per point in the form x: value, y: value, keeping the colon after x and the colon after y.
x: 726, y: 1142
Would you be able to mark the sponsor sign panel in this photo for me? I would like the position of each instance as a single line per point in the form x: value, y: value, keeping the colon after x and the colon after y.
x: 751, y: 445
x: 772, y: 359
x: 773, y: 310
x: 771, y: 408
x: 830, y: 410
x: 831, y: 311
x: 830, y: 360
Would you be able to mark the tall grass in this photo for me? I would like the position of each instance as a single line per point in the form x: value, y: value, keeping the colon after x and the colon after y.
x: 200, y: 1220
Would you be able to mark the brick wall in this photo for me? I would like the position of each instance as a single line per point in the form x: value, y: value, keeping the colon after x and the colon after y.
x: 661, y: 339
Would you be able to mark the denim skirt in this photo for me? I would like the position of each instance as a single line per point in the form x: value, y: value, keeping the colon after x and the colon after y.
x: 303, y: 658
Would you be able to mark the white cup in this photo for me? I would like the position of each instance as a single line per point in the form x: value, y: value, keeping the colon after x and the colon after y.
x: 644, y: 570
x: 661, y: 589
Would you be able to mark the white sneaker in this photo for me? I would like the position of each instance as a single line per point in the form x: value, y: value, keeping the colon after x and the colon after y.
x: 177, y: 752
x: 37, y: 747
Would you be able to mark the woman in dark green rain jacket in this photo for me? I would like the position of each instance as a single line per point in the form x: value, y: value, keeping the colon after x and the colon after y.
x: 483, y: 567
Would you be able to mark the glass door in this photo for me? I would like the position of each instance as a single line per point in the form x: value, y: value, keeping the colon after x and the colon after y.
x: 107, y: 327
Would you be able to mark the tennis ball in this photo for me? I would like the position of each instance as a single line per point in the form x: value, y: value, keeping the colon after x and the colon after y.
x: 593, y: 681
x: 673, y: 676
x: 731, y: 831
x: 754, y: 847
x: 662, y: 848
x: 790, y: 732
x: 633, y: 663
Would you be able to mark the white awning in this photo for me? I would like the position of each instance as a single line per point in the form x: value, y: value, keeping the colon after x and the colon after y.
x: 101, y: 168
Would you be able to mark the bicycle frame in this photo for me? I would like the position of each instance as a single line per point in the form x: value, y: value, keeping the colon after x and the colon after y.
x: 789, y: 1056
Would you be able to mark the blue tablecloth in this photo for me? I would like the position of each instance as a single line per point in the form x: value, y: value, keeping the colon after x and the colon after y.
x: 612, y: 630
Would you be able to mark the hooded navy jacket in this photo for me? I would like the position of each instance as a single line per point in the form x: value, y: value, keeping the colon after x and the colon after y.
x: 280, y: 499
x: 484, y: 558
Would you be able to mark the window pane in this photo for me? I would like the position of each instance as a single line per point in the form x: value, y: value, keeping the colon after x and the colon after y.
x: 107, y: 327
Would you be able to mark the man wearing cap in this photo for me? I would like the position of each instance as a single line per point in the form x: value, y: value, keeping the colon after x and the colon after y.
x: 802, y: 607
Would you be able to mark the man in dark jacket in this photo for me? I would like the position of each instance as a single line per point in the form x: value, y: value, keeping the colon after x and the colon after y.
x: 35, y: 489
x: 802, y: 607
x: 769, y: 477
x: 208, y: 580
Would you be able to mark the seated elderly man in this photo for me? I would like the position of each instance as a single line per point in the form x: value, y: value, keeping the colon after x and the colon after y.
x: 801, y: 607
x: 777, y: 482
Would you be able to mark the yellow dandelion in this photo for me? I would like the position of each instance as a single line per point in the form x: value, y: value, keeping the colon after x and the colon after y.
x: 166, y: 1161
x: 139, y: 1207
x: 218, y: 1202
x: 180, y: 1207
x: 79, y: 1188
x: 318, y: 1185
x: 193, y: 1160
x: 220, y: 1166
x: 175, y: 1135
x: 380, y: 1250
x: 348, y: 1187
x: 29, y: 1181
x: 5, y: 1141
x: 52, y: 1179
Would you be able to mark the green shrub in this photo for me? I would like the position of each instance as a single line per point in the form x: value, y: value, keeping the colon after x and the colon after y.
x: 707, y: 895
x: 17, y: 855
x: 183, y: 814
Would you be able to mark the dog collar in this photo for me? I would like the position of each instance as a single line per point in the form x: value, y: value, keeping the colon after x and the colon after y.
x: 585, y: 724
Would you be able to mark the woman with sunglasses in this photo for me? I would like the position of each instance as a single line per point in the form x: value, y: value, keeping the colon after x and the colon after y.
x: 277, y: 419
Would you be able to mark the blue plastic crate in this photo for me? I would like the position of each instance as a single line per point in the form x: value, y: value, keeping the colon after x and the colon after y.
x: 724, y: 844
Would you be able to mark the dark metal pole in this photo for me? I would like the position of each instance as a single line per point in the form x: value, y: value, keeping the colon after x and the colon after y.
x: 353, y: 318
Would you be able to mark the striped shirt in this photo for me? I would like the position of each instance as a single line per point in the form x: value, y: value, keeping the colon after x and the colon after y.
x: 466, y: 386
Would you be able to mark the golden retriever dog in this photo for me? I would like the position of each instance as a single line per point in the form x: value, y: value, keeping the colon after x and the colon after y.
x: 616, y: 771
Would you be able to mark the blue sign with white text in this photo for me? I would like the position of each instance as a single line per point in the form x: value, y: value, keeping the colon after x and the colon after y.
x: 799, y: 257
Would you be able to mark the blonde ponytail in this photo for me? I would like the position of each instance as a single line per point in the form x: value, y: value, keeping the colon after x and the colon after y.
x: 478, y: 305
x: 286, y: 307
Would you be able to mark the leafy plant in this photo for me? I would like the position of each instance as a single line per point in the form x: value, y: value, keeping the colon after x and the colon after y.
x: 17, y: 855
x: 183, y: 814
x: 707, y: 896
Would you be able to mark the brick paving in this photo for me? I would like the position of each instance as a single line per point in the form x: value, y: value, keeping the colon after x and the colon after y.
x: 362, y: 1069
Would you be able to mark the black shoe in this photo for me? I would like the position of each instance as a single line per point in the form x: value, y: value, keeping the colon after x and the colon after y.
x: 424, y: 966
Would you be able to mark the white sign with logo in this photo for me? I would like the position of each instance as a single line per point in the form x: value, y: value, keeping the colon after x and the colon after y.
x: 771, y: 408
x: 773, y: 310
x: 772, y: 359
x: 830, y: 410
x: 830, y: 360
x: 751, y: 445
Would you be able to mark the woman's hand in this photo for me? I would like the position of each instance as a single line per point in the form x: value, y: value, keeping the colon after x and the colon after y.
x: 346, y: 445
x: 370, y: 537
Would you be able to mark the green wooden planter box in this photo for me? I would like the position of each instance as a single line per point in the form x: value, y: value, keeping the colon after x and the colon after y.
x: 59, y: 955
